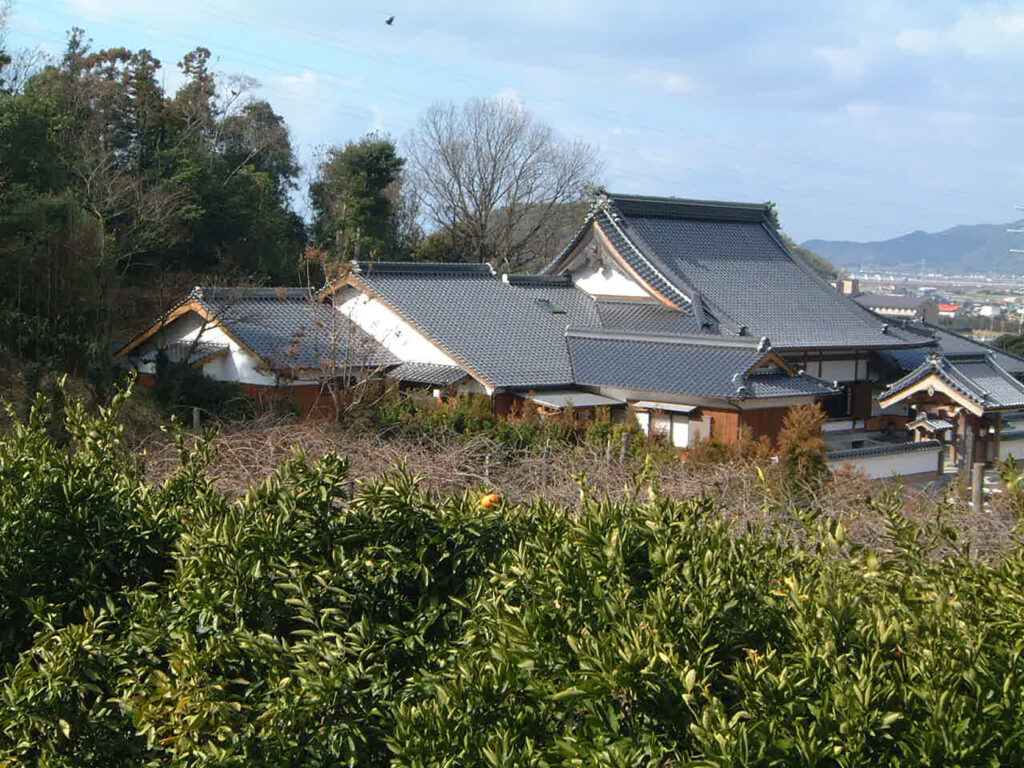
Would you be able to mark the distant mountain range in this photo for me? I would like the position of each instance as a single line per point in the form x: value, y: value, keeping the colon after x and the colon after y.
x: 972, y: 249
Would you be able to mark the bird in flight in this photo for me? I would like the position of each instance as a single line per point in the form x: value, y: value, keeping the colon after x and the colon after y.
x: 389, y: 20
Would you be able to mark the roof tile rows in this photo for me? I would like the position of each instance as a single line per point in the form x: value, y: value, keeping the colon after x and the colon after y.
x: 699, y: 366
x: 726, y: 256
x: 510, y: 335
x: 514, y: 334
x: 290, y: 330
x: 980, y: 379
x: 952, y: 345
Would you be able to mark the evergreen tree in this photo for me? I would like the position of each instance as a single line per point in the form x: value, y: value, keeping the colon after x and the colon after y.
x: 356, y: 199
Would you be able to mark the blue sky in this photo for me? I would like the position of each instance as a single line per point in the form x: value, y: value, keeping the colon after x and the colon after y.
x: 862, y: 119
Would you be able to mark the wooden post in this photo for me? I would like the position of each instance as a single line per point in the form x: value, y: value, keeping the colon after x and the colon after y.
x: 624, y: 450
x: 977, y: 481
x: 999, y: 436
x: 969, y: 438
x: 195, y: 419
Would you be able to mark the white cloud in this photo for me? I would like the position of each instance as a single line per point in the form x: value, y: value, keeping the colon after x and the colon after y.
x: 847, y: 64
x: 987, y: 34
x: 667, y: 81
x: 510, y: 95
x: 978, y: 32
x: 308, y: 80
x: 919, y: 41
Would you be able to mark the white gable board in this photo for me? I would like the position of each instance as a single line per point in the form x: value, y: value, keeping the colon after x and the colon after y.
x: 607, y: 281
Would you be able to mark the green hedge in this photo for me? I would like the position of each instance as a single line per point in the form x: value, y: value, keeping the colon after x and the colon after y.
x: 317, y: 623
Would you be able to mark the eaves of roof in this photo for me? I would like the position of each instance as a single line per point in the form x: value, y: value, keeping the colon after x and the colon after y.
x: 355, y: 280
x: 952, y: 376
x: 190, y: 304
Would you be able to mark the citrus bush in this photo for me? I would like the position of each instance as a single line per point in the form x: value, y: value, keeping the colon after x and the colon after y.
x: 318, y: 622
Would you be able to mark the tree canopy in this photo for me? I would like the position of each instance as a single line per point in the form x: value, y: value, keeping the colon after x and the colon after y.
x: 107, y: 181
x: 496, y: 181
x: 356, y: 199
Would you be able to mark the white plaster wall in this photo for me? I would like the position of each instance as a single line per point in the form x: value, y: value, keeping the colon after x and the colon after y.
x: 238, y: 365
x: 470, y: 386
x: 837, y: 370
x: 902, y: 464
x: 606, y: 281
x: 1009, y: 448
x: 643, y: 418
x: 838, y: 425
x: 395, y: 334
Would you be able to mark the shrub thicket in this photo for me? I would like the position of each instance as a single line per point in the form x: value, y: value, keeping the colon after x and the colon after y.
x: 416, y: 414
x: 178, y: 387
x: 313, y: 623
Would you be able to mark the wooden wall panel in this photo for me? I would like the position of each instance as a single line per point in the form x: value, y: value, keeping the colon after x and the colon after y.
x: 764, y: 421
x: 860, y: 405
x: 723, y: 426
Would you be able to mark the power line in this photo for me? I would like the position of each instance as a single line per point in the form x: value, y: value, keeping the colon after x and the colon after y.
x: 417, y: 101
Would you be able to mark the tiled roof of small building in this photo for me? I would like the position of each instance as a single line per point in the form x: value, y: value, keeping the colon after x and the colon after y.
x: 934, y: 424
x: 190, y: 351
x: 879, y: 301
x: 697, y: 365
x: 883, y: 450
x: 290, y: 330
x: 427, y: 373
x: 979, y: 379
x: 726, y: 259
x: 952, y: 345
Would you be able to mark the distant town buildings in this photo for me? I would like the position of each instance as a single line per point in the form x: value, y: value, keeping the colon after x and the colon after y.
x: 906, y: 307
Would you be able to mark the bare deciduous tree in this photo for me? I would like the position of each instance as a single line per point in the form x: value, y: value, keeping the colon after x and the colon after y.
x: 495, y: 180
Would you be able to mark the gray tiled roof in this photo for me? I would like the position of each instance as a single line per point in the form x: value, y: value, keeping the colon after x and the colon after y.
x: 644, y: 317
x: 512, y: 333
x: 180, y: 351
x: 697, y: 365
x: 979, y: 379
x: 953, y: 346
x: 936, y: 425
x: 498, y: 330
x: 427, y: 373
x: 884, y: 450
x: 291, y: 330
x: 615, y: 230
x: 879, y: 301
x: 726, y: 257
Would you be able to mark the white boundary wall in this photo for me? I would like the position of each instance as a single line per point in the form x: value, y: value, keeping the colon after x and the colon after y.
x: 918, y: 462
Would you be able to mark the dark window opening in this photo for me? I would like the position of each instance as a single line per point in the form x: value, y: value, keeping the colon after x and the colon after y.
x: 839, y: 406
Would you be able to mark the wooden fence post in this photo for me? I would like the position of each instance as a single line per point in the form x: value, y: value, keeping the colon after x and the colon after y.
x: 977, y: 481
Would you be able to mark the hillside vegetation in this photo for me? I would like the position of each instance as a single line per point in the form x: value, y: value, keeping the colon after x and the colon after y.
x: 313, y: 621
